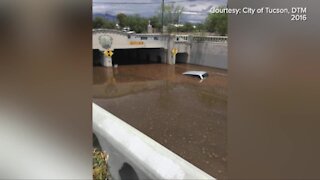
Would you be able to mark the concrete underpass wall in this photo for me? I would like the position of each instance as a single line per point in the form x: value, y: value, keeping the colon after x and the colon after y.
x: 208, y: 53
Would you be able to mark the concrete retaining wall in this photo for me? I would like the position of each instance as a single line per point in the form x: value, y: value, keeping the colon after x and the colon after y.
x: 208, y: 53
x: 133, y: 155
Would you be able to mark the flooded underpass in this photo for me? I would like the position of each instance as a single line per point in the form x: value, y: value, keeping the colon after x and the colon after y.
x: 184, y: 114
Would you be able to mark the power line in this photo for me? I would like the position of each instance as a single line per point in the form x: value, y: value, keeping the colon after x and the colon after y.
x: 162, y: 11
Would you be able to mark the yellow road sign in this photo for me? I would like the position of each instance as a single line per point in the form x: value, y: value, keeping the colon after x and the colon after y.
x: 108, y: 53
x: 136, y: 42
x: 174, y: 51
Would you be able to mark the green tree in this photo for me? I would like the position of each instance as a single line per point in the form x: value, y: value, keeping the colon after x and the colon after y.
x: 122, y: 19
x: 200, y: 27
x: 171, y: 14
x: 187, y: 27
x: 137, y: 23
x: 155, y: 22
x: 100, y: 22
x: 171, y: 28
x: 217, y: 22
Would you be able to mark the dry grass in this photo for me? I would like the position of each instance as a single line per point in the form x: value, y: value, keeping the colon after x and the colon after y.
x: 100, y: 165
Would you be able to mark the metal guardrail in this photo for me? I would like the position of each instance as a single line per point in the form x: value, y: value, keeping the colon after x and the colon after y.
x: 113, y: 31
x: 132, y: 35
x: 133, y: 155
x: 178, y: 38
x: 161, y: 37
x: 210, y: 38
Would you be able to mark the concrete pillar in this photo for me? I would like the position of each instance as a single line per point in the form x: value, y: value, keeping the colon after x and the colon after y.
x: 188, y: 58
x: 107, y: 60
x: 170, y: 58
x: 189, y: 53
x: 188, y: 49
x: 173, y: 60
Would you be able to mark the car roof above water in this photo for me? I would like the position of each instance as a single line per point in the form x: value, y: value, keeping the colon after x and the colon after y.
x: 198, y: 73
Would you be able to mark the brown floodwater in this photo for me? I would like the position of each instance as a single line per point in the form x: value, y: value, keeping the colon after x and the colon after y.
x: 180, y: 112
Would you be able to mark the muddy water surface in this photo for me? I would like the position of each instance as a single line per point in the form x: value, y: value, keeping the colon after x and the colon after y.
x: 182, y: 113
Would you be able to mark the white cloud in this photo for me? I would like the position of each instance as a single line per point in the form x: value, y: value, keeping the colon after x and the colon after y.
x: 194, y: 10
x: 191, y: 13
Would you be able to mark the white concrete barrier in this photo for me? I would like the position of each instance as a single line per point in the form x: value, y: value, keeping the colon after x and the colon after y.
x: 133, y: 155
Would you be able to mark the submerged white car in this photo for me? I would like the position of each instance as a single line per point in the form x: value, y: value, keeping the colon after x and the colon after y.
x: 201, y: 74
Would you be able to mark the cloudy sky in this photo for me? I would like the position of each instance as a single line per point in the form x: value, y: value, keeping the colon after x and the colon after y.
x: 194, y: 10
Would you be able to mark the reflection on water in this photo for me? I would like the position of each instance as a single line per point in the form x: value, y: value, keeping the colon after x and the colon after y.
x: 180, y: 112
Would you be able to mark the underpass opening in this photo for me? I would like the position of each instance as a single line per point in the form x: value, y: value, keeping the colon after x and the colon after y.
x: 181, y: 58
x: 138, y: 56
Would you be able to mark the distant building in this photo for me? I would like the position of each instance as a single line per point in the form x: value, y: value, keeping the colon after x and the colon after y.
x: 178, y: 25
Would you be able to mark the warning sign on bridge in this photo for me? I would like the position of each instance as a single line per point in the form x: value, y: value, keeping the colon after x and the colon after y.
x: 108, y: 53
x: 174, y: 51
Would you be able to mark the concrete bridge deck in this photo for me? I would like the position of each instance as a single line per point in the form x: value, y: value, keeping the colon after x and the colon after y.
x: 201, y: 50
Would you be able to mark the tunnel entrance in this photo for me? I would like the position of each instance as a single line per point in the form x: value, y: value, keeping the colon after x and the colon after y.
x: 181, y: 58
x: 138, y: 56
x: 97, y: 57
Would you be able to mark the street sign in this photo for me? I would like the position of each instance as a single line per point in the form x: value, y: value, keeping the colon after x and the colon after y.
x: 108, y: 53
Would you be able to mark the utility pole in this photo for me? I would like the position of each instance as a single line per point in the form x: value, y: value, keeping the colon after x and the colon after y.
x: 179, y: 13
x: 162, y: 11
